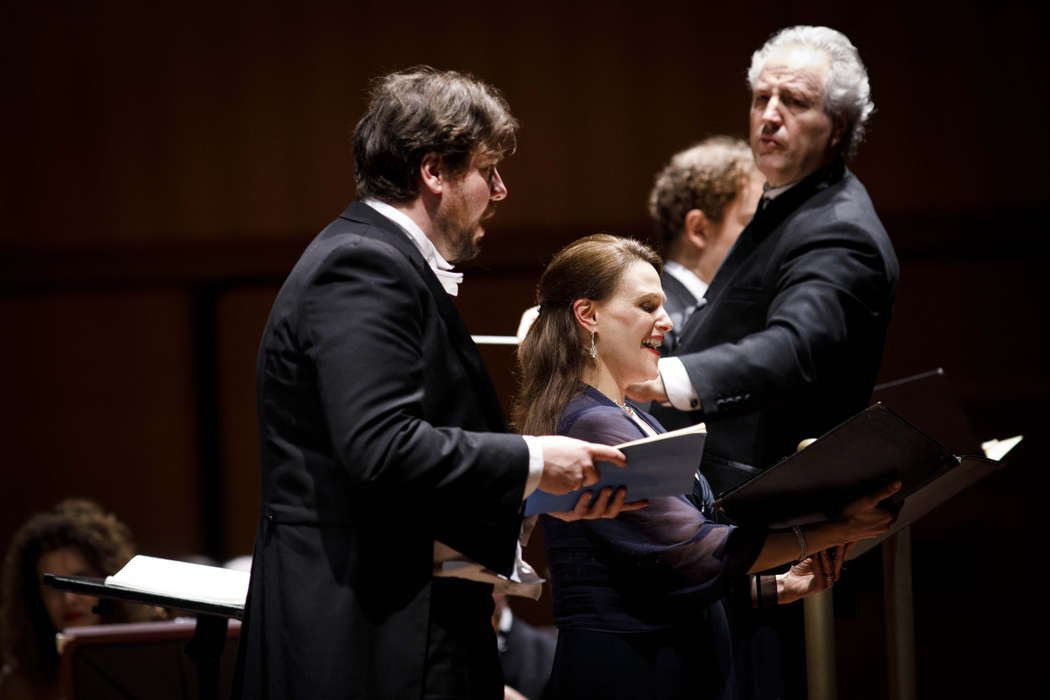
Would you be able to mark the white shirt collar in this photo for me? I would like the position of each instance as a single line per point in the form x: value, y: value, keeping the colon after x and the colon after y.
x: 772, y: 193
x: 449, y: 280
x: 696, y: 286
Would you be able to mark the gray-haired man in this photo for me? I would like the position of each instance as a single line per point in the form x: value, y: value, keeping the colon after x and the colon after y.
x: 790, y: 339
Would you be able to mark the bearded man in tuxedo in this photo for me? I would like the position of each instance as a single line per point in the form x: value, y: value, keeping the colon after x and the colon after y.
x: 391, y: 489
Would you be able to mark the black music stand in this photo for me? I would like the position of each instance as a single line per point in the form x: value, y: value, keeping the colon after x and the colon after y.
x: 925, y: 399
x: 209, y: 637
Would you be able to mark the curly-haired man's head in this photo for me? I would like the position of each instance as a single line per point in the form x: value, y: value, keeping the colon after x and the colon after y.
x: 702, y: 199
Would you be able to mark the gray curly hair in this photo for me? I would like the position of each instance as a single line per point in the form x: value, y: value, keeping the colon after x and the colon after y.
x: 847, y: 92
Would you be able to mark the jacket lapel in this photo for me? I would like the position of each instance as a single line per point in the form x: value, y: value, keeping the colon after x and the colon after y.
x: 765, y: 221
x: 386, y: 230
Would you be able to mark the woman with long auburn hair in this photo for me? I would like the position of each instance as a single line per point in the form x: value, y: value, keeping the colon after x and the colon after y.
x: 638, y: 598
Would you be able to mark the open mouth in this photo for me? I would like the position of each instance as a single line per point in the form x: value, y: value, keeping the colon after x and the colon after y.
x: 653, y: 344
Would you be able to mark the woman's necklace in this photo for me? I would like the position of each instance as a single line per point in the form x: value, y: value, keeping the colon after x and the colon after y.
x: 634, y: 417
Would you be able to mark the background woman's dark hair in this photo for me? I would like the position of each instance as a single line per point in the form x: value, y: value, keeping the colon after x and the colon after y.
x: 554, y: 354
x: 419, y: 111
x: 26, y: 632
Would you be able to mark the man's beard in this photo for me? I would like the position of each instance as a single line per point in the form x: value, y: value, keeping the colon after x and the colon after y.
x: 461, y: 234
x: 464, y: 247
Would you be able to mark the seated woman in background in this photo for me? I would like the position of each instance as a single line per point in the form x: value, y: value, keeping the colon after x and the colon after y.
x: 637, y: 599
x: 75, y: 538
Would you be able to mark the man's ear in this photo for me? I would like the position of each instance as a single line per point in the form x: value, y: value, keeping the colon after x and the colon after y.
x: 838, y: 130
x: 432, y: 173
x: 696, y: 228
x: 586, y: 313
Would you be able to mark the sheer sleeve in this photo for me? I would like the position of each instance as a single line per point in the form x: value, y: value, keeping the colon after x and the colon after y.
x: 669, y: 549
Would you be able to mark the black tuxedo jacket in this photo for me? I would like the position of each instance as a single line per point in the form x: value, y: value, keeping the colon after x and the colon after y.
x: 380, y: 434
x: 790, y: 339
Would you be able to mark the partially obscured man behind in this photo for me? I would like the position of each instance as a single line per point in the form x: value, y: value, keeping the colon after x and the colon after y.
x: 700, y: 202
x: 391, y: 493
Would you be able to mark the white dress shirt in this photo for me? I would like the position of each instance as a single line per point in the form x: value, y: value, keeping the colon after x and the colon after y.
x: 442, y: 268
x: 679, y: 390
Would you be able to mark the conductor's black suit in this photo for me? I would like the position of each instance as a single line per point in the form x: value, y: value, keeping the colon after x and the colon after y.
x: 789, y: 339
x: 381, y: 434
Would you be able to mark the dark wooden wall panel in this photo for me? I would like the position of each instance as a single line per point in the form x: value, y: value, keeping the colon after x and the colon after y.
x: 100, y: 404
x: 149, y: 125
x: 164, y: 164
x: 242, y: 315
x: 984, y: 323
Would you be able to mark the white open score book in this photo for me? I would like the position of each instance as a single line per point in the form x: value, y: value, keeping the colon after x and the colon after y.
x: 210, y: 584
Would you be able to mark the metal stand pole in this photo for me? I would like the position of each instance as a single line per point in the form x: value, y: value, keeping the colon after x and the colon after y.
x: 205, y: 649
x: 821, y: 673
x: 900, y: 616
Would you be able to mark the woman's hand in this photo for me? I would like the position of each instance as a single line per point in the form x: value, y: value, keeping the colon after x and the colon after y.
x: 813, y: 574
x: 600, y: 506
x: 863, y: 518
x: 859, y: 520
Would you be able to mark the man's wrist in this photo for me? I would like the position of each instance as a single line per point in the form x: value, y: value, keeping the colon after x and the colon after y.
x: 535, y: 464
x: 677, y: 385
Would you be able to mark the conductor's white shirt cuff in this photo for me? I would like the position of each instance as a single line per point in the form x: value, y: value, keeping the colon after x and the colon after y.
x: 535, y: 465
x: 680, y: 391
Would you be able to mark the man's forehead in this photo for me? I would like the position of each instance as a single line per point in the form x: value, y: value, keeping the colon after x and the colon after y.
x: 797, y: 66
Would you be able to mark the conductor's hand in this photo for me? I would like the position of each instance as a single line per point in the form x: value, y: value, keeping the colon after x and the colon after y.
x: 568, y: 463
x: 652, y: 390
x: 863, y: 518
x: 593, y: 506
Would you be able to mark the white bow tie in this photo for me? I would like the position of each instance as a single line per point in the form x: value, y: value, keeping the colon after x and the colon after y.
x: 449, y: 280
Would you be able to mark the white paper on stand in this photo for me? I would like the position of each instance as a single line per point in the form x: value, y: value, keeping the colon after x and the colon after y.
x: 208, y: 584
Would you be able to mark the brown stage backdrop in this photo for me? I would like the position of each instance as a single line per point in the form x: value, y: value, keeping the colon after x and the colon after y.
x: 164, y: 164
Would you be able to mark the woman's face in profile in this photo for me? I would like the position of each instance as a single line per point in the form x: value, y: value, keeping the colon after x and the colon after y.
x: 631, y: 325
x: 64, y: 608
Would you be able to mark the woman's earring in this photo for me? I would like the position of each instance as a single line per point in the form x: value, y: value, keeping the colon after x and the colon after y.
x: 594, y: 345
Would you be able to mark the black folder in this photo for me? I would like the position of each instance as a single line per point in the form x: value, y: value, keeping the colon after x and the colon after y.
x: 931, y: 496
x: 866, y: 452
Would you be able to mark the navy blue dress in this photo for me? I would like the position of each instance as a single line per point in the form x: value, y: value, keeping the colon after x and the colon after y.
x: 638, y: 598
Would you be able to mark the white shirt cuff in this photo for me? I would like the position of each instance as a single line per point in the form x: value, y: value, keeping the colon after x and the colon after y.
x: 535, y: 465
x: 680, y: 391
